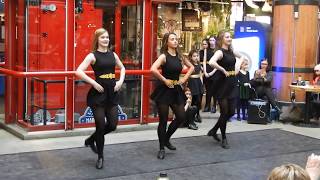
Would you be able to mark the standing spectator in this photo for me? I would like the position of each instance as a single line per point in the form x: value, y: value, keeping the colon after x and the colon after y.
x: 243, y: 83
x: 205, y: 54
x: 195, y: 82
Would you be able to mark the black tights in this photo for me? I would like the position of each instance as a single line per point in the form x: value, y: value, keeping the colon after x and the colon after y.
x: 196, y: 101
x: 103, y: 127
x: 227, y: 110
x: 163, y: 110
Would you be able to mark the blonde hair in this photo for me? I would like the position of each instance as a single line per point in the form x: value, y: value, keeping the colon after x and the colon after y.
x: 288, y: 172
x: 97, y: 34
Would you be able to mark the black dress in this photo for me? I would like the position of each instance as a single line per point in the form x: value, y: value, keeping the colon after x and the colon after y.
x: 195, y: 84
x: 210, y: 53
x: 244, y: 91
x: 226, y: 86
x: 162, y: 94
x: 104, y: 64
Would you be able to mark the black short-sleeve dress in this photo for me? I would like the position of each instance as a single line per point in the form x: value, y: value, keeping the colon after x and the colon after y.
x: 162, y: 94
x: 104, y: 64
x: 226, y: 87
x: 195, y: 85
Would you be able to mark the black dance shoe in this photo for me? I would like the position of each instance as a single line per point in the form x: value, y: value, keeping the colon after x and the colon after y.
x: 213, y: 110
x: 99, y: 163
x: 214, y: 135
x: 161, y: 154
x: 192, y: 126
x: 170, y: 146
x: 224, y: 144
x: 206, y: 109
x: 91, y: 144
x: 198, y: 119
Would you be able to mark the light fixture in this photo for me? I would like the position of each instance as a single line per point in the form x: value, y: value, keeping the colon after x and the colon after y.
x: 251, y: 4
x: 266, y: 7
x: 180, y: 6
x: 159, y: 6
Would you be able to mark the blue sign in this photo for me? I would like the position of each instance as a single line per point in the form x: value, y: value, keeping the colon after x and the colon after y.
x: 87, y: 117
x: 121, y: 114
x: 253, y: 29
x: 251, y: 38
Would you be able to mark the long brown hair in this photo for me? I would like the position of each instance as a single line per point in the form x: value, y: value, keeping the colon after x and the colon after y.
x: 220, y: 38
x: 164, y: 47
x: 97, y: 34
x: 190, y: 55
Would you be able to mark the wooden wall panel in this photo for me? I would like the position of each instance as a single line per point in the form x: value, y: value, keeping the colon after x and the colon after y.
x: 291, y: 34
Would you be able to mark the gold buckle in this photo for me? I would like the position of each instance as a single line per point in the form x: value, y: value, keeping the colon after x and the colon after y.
x: 232, y: 73
x: 175, y: 82
x: 107, y: 76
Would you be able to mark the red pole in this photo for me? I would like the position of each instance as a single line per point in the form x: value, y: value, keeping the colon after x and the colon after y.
x: 10, y: 57
x: 20, y: 57
x: 69, y: 99
x: 117, y: 28
x: 146, y: 60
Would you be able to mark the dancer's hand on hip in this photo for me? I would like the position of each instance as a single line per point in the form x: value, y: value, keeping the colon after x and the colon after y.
x: 117, y: 86
x: 98, y: 87
x: 168, y: 83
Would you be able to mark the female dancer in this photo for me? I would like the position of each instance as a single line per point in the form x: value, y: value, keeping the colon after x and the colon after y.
x: 169, y: 92
x: 224, y: 60
x: 195, y: 82
x: 103, y: 96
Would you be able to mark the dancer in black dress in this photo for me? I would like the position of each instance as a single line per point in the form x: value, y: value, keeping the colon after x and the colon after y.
x: 169, y: 92
x: 195, y: 82
x: 224, y: 60
x: 103, y: 96
x: 209, y: 79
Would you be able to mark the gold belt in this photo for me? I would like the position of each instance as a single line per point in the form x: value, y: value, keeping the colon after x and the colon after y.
x: 195, y: 76
x: 174, y: 82
x: 231, y: 73
x: 107, y: 76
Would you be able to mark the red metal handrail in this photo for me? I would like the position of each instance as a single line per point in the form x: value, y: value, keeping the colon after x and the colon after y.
x: 20, y: 74
x: 62, y: 73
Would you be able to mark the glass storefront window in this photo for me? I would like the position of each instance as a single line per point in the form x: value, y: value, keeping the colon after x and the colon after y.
x: 44, y: 32
x: 98, y: 14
